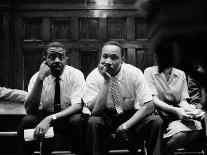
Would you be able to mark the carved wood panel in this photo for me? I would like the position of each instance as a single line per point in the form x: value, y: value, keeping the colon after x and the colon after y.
x: 2, y: 50
x: 88, y: 61
x: 82, y: 28
x: 32, y: 61
x: 140, y: 28
x: 116, y: 28
x: 32, y: 29
x: 61, y: 29
x: 89, y: 28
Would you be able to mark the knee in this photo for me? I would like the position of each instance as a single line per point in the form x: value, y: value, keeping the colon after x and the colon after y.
x: 76, y: 119
x: 95, y: 122
x: 179, y: 136
x: 156, y: 122
x: 29, y: 121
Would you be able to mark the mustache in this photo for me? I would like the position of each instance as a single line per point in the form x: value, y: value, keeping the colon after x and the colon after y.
x: 108, y: 67
x: 57, y: 65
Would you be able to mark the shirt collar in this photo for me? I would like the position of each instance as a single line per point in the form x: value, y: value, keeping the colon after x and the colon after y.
x: 173, y: 72
x: 119, y: 76
x: 52, y: 78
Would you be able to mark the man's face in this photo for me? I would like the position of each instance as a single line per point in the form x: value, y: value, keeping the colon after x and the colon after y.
x: 111, y: 58
x: 56, y: 59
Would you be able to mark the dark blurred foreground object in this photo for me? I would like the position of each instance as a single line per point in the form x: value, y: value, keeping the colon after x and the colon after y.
x: 178, y: 34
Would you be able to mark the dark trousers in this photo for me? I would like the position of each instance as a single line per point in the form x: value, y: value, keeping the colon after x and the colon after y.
x: 100, y: 128
x: 69, y: 126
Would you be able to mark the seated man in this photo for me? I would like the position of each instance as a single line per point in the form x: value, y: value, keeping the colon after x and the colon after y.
x: 54, y: 99
x: 120, y: 101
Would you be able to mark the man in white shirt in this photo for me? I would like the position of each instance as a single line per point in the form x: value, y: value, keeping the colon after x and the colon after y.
x: 54, y: 99
x: 120, y: 101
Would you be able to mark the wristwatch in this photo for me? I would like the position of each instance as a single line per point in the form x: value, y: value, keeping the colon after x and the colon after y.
x: 124, y: 127
x: 54, y: 117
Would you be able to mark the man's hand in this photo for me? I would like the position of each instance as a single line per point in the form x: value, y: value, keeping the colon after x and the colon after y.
x: 44, y: 71
x: 122, y: 128
x: 121, y: 132
x: 42, y: 128
x: 103, y: 72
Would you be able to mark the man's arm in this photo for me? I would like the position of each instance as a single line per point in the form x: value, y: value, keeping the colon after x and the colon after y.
x: 32, y: 101
x: 142, y: 113
x: 99, y: 103
x: 75, y: 108
x: 101, y: 99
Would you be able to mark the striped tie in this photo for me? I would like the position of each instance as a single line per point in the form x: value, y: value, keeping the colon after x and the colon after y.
x: 116, y: 97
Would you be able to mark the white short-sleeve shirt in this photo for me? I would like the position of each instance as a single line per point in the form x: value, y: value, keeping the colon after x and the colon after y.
x: 72, y: 84
x: 131, y: 83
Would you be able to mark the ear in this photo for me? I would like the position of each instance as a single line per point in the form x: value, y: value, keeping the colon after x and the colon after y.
x: 66, y: 60
x: 123, y: 59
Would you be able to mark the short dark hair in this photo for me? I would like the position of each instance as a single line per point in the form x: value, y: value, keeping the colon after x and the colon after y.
x: 114, y: 43
x: 53, y: 44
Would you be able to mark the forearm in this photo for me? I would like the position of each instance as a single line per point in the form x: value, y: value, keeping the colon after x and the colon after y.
x: 142, y: 113
x: 73, y: 109
x: 101, y: 99
x: 32, y: 101
x: 163, y: 106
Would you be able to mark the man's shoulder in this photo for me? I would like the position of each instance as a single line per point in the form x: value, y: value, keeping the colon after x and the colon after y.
x: 34, y: 76
x: 130, y: 68
x: 94, y: 73
x: 72, y: 70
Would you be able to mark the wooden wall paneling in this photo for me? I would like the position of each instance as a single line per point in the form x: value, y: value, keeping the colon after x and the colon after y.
x: 68, y: 6
x: 74, y: 28
x: 32, y: 61
x: 140, y: 28
x: 74, y: 58
x: 4, y: 52
x: 143, y: 59
x: 68, y: 44
x: 32, y: 30
x: 7, y: 61
x: 116, y: 28
x: 131, y: 56
x: 60, y: 28
x: 103, y: 29
x: 89, y: 29
x: 88, y: 61
x: 130, y: 28
x: 16, y: 52
x: 93, y: 13
x: 46, y: 28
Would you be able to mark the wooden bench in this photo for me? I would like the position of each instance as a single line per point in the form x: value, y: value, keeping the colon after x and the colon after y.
x: 11, y: 114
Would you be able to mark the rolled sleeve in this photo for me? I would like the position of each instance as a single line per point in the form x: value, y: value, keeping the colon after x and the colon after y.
x: 185, y: 94
x: 32, y: 82
x: 91, y: 90
x: 149, y: 77
x: 78, y: 88
x: 143, y: 92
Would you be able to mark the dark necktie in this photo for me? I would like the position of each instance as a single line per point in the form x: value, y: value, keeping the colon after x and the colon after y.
x: 57, y: 95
